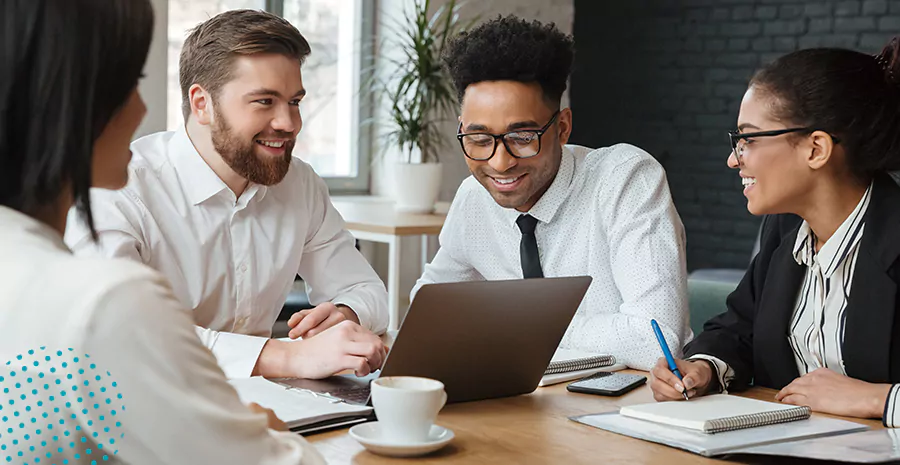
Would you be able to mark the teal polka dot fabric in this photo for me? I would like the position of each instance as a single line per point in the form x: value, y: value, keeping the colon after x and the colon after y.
x: 57, y: 407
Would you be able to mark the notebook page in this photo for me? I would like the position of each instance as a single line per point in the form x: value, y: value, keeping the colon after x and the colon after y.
x: 292, y: 406
x: 695, y: 414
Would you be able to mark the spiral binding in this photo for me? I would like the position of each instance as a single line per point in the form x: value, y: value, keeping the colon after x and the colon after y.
x: 584, y: 363
x: 756, y: 419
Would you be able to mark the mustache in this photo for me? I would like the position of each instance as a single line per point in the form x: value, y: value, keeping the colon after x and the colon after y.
x: 276, y: 135
x: 507, y: 174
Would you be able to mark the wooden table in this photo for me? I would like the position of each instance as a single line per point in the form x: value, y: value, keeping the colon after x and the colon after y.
x: 374, y: 219
x: 534, y: 429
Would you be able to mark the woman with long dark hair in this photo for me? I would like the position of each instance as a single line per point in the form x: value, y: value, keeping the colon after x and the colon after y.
x: 817, y: 314
x: 103, y: 363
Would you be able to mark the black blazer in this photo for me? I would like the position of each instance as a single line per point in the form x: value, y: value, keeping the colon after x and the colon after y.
x: 752, y: 335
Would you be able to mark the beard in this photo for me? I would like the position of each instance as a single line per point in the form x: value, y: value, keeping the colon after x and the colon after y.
x: 241, y: 156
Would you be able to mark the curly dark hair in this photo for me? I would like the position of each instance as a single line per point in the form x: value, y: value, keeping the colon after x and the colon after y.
x: 511, y: 49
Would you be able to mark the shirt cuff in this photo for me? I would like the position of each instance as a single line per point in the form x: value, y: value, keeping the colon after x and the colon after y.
x: 363, y: 312
x: 891, y: 416
x: 724, y: 373
x: 237, y: 353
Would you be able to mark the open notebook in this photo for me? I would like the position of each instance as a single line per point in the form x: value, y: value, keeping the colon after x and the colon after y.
x: 717, y: 413
x: 569, y: 364
x: 303, y: 411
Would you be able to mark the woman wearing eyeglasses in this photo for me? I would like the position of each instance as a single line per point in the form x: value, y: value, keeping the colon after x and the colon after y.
x: 817, y: 314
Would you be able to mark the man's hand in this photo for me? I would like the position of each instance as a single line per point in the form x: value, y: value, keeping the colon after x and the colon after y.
x: 666, y: 386
x: 275, y: 423
x: 827, y: 391
x: 308, y: 323
x: 345, y: 346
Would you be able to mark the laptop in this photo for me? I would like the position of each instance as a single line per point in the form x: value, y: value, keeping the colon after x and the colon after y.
x: 482, y: 339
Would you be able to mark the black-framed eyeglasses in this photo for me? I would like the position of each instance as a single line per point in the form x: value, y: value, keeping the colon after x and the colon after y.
x: 521, y: 143
x: 739, y: 139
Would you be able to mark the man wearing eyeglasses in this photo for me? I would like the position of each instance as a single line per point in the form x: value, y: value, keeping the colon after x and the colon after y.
x: 536, y: 207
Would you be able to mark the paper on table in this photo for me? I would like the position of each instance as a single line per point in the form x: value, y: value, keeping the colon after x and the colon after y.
x: 867, y: 447
x: 294, y: 407
x: 722, y: 443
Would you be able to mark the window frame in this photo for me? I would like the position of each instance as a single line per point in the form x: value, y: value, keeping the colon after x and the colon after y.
x: 360, y: 135
x: 362, y: 102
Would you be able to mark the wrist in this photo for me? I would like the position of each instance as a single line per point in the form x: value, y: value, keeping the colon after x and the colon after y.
x: 878, y: 401
x: 348, y: 313
x: 274, y: 360
x: 708, y: 378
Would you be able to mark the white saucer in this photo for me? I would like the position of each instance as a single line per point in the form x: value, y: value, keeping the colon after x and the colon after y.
x: 369, y: 435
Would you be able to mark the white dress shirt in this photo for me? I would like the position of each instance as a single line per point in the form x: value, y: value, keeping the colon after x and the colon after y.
x: 231, y: 260
x: 607, y: 214
x: 130, y: 338
x: 816, y: 331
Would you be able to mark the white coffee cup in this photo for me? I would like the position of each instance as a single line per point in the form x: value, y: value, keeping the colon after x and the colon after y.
x: 406, y: 407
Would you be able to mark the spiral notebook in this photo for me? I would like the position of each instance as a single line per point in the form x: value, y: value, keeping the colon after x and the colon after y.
x: 717, y: 413
x: 567, y: 365
x: 565, y: 360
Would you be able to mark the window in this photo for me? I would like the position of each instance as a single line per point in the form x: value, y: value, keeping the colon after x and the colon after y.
x: 332, y: 139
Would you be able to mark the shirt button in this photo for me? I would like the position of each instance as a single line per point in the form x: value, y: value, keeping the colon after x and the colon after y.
x: 243, y: 268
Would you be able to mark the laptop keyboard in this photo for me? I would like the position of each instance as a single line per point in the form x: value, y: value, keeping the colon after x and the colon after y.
x: 353, y: 395
x: 349, y: 389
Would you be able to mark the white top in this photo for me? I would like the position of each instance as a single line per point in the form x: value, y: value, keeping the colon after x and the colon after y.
x: 232, y: 260
x: 607, y: 214
x: 130, y: 338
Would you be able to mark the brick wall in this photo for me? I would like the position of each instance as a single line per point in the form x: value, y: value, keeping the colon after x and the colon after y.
x: 669, y: 75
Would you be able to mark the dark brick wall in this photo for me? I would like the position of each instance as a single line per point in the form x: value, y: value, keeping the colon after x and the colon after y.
x: 668, y: 76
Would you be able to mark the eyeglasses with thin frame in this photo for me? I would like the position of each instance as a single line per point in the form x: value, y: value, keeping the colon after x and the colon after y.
x: 739, y: 139
x: 521, y: 143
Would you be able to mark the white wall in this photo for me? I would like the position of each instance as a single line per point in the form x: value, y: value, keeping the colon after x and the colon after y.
x: 153, y: 86
x: 560, y: 12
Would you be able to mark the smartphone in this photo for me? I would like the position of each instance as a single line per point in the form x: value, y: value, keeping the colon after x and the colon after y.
x: 607, y: 383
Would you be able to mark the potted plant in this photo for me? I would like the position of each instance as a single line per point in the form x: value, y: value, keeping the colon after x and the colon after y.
x: 420, y: 95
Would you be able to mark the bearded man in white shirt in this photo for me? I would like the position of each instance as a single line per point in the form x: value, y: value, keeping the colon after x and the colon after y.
x: 536, y: 207
x: 223, y: 210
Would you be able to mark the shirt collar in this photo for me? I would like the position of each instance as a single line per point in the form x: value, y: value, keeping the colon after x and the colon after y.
x: 199, y: 181
x: 547, y: 206
x: 18, y: 223
x: 837, y: 248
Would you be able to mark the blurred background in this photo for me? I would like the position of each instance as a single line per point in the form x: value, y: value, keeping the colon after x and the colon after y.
x: 665, y: 75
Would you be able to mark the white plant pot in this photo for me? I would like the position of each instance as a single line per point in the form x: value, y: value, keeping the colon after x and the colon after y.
x: 416, y: 186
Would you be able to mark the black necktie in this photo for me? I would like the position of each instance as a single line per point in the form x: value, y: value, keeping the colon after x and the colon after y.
x: 528, y: 249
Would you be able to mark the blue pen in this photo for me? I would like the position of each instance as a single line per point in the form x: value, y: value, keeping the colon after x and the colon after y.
x: 665, y: 348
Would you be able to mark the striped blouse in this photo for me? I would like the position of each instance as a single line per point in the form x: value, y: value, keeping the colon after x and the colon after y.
x: 817, y: 325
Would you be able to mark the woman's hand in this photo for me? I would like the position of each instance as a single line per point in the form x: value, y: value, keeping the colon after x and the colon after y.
x: 827, y: 391
x: 698, y: 376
